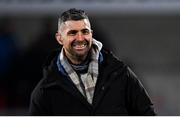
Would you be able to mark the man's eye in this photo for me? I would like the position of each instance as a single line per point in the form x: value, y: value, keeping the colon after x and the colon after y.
x: 85, y: 31
x: 72, y: 33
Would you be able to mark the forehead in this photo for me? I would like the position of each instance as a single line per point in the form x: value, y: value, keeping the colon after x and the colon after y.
x: 76, y: 25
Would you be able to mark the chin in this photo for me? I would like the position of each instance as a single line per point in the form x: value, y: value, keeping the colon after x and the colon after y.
x: 81, y: 54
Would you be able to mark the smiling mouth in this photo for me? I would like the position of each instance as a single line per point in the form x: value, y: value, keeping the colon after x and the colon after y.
x: 79, y: 45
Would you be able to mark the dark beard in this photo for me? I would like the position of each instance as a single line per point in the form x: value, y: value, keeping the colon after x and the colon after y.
x: 81, y: 58
x: 76, y: 55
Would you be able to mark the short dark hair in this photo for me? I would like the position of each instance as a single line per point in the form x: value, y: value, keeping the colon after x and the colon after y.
x: 72, y: 14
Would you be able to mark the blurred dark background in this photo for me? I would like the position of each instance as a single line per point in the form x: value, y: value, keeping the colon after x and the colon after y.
x: 143, y: 33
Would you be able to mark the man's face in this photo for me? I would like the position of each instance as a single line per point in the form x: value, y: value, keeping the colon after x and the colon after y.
x: 76, y: 38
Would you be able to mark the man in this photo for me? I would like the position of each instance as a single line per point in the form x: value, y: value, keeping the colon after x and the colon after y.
x: 84, y: 79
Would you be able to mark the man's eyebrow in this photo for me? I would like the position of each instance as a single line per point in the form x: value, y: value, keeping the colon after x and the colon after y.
x: 84, y: 29
x: 72, y: 31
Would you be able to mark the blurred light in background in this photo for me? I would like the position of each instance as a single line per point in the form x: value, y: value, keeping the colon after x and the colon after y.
x: 15, y: 7
x: 143, y: 33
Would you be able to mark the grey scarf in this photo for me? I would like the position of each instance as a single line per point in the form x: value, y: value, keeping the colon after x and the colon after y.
x: 88, y: 79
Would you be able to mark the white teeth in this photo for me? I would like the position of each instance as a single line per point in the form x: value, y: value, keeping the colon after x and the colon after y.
x: 80, y: 46
x: 83, y: 45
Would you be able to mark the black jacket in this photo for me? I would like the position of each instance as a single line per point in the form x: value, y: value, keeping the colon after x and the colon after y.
x: 117, y: 92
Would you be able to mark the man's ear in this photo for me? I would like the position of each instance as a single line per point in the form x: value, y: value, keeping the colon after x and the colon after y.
x: 58, y: 38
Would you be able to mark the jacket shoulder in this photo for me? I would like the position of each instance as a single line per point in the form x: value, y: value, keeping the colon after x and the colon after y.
x: 38, y: 90
x: 38, y: 101
x: 111, y: 60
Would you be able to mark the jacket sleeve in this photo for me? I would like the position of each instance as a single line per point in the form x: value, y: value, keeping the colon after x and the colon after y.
x: 38, y: 103
x: 139, y: 102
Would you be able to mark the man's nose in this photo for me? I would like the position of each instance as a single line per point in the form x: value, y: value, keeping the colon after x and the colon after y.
x: 79, y: 36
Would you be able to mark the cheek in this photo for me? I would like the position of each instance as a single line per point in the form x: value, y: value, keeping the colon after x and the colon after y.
x: 68, y: 42
x: 88, y: 37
